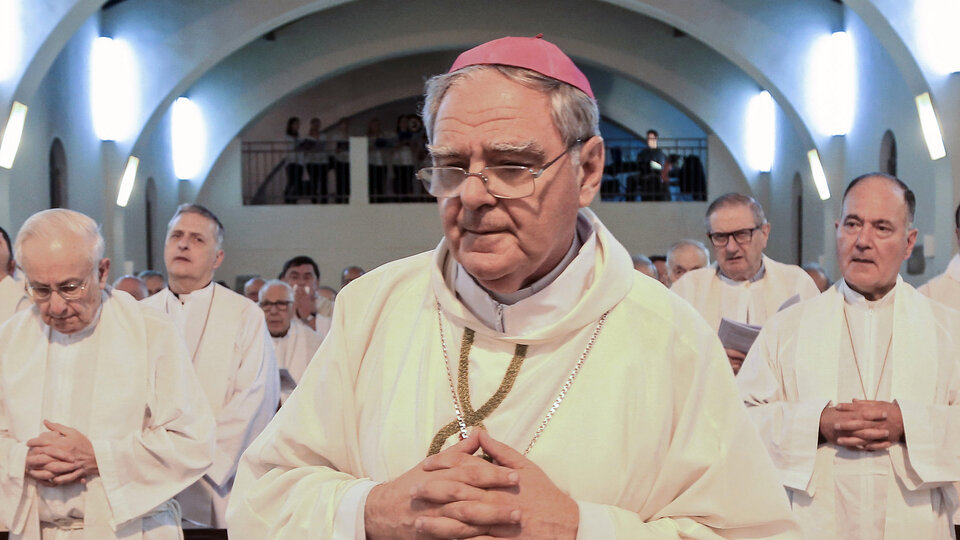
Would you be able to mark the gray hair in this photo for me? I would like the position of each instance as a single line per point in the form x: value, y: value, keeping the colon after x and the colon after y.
x: 149, y: 274
x: 575, y: 114
x: 736, y: 199
x: 276, y: 282
x: 645, y: 261
x: 50, y: 224
x: 199, y: 209
x: 688, y: 242
x: 140, y: 283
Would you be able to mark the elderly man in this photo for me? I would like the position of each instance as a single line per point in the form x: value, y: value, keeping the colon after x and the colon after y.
x: 251, y: 289
x: 660, y: 263
x: 303, y: 274
x: 818, y: 275
x: 154, y: 280
x: 229, y: 346
x: 746, y: 286
x: 857, y: 392
x: 349, y: 274
x: 523, y: 323
x: 643, y: 264
x: 293, y: 341
x: 684, y: 256
x: 945, y: 288
x: 102, y: 419
x: 132, y: 285
x: 12, y: 298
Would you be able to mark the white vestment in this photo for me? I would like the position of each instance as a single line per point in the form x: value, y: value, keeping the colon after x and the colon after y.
x: 295, y: 349
x: 751, y: 302
x: 125, y: 382
x: 904, y: 349
x: 651, y: 439
x: 945, y: 288
x: 12, y: 297
x: 227, y: 338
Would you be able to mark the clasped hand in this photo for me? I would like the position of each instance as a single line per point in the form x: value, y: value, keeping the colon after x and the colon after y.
x: 60, y: 456
x: 456, y: 494
x: 862, y: 424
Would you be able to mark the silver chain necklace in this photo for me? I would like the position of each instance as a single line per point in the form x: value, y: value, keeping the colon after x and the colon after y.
x: 553, y: 408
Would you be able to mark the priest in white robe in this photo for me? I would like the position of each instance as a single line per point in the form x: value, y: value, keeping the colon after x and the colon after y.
x: 603, y: 401
x: 945, y: 288
x: 303, y: 274
x: 294, y: 342
x: 102, y: 420
x: 744, y: 285
x: 229, y: 346
x: 857, y: 392
x: 12, y: 297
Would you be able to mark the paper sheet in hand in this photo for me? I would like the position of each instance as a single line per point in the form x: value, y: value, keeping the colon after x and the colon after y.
x: 287, y: 384
x: 737, y: 336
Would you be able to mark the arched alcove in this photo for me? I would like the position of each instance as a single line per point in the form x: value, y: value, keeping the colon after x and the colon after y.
x: 58, y: 175
x: 888, y: 153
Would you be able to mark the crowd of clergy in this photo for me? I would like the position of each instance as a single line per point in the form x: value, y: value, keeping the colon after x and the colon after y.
x: 523, y: 379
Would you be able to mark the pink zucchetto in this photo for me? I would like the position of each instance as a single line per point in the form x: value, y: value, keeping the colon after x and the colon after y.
x: 536, y: 54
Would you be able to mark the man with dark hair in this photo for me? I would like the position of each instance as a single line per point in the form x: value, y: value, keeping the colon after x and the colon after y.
x: 745, y: 286
x: 524, y: 324
x: 230, y: 348
x: 303, y: 274
x: 945, y: 288
x: 12, y: 297
x: 857, y: 391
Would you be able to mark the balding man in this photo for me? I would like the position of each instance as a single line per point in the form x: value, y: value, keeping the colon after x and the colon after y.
x: 818, y: 275
x: 229, y: 346
x: 349, y: 274
x: 945, y: 288
x: 12, y: 297
x: 524, y: 323
x: 643, y: 264
x: 132, y: 285
x: 251, y: 289
x: 154, y: 280
x: 746, y: 286
x: 857, y: 392
x: 684, y: 256
x: 102, y: 419
x: 293, y: 341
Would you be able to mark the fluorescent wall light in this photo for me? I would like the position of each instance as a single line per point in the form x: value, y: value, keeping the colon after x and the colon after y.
x: 819, y: 177
x: 126, y: 183
x: 832, y: 83
x: 761, y: 131
x: 930, y: 126
x: 938, y: 42
x: 11, y: 38
x: 12, y: 134
x: 114, y: 92
x: 188, y: 138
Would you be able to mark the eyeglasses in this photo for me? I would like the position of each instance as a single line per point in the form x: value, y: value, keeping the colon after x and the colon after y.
x: 282, y: 306
x: 741, y: 236
x: 501, y: 181
x: 70, y: 291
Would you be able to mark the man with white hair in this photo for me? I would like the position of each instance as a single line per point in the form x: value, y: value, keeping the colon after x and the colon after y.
x: 12, y: 298
x: 684, y: 256
x: 293, y: 341
x: 251, y: 289
x: 643, y: 264
x: 102, y: 420
x: 154, y: 280
x: 857, y: 391
x: 523, y: 323
x: 229, y: 346
x: 132, y: 285
x: 745, y: 286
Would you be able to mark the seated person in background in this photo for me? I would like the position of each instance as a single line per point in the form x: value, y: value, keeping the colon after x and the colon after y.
x: 102, y: 419
x: 818, y: 275
x: 746, y: 286
x: 293, y: 342
x: 684, y: 256
x: 251, y: 289
x: 132, y: 285
x: 857, y: 391
x: 643, y: 264
x: 154, y: 280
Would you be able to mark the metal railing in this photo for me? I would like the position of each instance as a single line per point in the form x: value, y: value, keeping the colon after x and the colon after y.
x: 676, y: 173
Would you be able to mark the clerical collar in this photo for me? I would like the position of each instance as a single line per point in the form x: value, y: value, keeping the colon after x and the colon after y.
x: 854, y: 298
x: 558, y: 291
x: 756, y: 277
x: 196, y: 293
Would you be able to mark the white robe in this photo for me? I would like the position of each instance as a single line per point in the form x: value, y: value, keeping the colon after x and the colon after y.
x: 651, y: 439
x: 236, y: 366
x: 12, y: 297
x: 127, y: 385
x: 295, y: 349
x: 802, y: 361
x: 945, y: 288
x: 746, y: 302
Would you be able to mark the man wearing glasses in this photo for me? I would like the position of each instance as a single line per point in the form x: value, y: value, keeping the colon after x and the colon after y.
x: 293, y: 341
x: 523, y: 355
x: 102, y: 419
x: 745, y: 286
